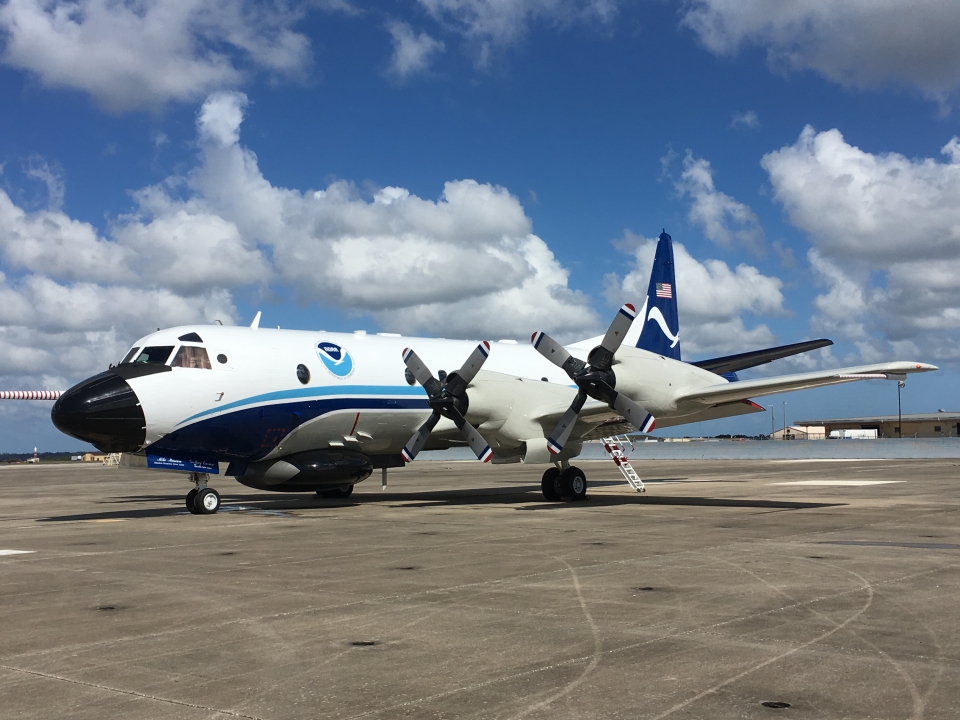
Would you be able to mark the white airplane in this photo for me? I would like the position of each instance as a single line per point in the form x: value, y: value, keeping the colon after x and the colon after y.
x: 305, y: 411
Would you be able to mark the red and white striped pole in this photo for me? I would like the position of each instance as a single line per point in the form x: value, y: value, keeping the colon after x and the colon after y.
x: 30, y: 394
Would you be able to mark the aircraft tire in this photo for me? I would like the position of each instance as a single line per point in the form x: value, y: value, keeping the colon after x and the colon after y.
x: 550, y: 484
x: 573, y: 484
x: 191, y: 497
x: 207, y: 501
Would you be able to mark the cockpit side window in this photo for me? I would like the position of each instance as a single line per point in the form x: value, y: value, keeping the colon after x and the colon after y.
x: 130, y: 356
x: 155, y: 355
x: 191, y: 357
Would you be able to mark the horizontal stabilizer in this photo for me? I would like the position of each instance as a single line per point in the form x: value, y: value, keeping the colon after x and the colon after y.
x: 742, y: 361
x: 745, y: 389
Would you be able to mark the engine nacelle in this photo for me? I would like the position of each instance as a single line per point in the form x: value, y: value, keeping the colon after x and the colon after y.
x: 308, y: 471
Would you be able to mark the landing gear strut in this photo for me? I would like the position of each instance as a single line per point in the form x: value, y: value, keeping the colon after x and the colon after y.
x: 565, y: 481
x: 202, y: 500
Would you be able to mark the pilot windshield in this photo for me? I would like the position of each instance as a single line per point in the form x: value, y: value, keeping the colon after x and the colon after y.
x: 130, y: 356
x: 155, y: 355
x: 191, y: 357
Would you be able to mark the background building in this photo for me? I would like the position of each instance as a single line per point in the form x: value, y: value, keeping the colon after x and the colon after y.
x: 800, y: 432
x: 940, y: 424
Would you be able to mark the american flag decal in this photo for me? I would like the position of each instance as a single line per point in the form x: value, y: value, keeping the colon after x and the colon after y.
x: 665, y: 291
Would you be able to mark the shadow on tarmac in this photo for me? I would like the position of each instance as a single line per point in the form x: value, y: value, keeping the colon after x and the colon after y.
x: 528, y: 497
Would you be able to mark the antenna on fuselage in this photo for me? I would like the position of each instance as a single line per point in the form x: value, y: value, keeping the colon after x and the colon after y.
x: 256, y: 321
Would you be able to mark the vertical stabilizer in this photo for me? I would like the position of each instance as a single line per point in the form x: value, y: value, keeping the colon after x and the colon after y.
x: 660, y: 332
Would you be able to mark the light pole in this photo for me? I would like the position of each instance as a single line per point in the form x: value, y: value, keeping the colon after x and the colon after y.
x: 784, y: 419
x: 900, y: 384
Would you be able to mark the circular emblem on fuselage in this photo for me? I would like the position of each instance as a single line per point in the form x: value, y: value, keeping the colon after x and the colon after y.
x: 335, y: 359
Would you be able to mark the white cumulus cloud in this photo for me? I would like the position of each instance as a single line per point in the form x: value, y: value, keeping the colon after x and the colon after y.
x: 712, y: 298
x: 723, y: 219
x: 140, y: 55
x: 885, y: 231
x: 465, y: 264
x: 858, y: 43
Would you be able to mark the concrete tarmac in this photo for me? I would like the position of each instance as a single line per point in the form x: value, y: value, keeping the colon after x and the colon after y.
x: 460, y: 593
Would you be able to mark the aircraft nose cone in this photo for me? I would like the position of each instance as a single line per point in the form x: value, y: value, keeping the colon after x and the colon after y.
x: 103, y: 411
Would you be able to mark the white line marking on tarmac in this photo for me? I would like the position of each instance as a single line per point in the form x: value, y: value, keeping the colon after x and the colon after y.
x: 821, y: 460
x: 838, y: 483
x: 16, y: 552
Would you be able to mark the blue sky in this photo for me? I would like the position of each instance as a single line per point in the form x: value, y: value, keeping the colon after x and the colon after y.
x: 159, y: 167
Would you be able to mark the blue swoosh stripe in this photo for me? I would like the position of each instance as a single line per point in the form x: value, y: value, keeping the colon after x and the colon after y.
x: 317, y: 392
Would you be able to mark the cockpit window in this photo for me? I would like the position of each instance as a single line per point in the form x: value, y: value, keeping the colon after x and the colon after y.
x: 130, y: 356
x: 155, y: 355
x: 190, y: 337
x: 191, y: 357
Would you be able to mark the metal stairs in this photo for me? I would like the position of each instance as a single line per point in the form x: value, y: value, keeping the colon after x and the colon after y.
x: 615, y: 446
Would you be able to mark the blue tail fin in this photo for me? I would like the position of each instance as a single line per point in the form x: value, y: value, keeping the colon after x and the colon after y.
x: 661, y: 326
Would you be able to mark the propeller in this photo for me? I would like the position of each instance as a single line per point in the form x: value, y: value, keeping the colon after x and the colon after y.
x: 594, y: 378
x: 448, y: 398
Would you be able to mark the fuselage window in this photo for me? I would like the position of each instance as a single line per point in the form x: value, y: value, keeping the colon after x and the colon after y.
x: 130, y: 356
x: 155, y: 355
x: 191, y: 357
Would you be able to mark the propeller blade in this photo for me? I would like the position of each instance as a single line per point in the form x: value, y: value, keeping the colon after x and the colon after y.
x: 419, y: 439
x: 549, y: 348
x: 636, y: 415
x: 618, y: 328
x: 561, y: 433
x: 421, y: 372
x: 473, y: 364
x: 601, y: 357
x: 474, y: 439
x: 557, y: 354
x: 457, y: 382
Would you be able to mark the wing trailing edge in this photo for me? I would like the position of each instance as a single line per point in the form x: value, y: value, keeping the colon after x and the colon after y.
x: 745, y: 389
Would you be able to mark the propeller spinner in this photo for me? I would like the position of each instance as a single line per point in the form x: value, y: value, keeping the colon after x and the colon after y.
x: 594, y: 378
x: 448, y: 398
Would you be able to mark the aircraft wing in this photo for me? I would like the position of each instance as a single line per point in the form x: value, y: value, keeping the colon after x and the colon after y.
x: 744, y: 389
x: 742, y: 361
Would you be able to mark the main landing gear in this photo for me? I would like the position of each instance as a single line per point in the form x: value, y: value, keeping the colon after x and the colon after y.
x: 202, y: 500
x: 564, y: 482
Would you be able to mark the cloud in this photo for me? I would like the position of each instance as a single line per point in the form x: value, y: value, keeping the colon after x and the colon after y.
x: 132, y: 56
x: 712, y: 297
x: 885, y: 231
x: 465, y: 264
x: 857, y: 43
x: 745, y: 119
x: 723, y: 220
x: 395, y: 251
x: 498, y: 23
x: 411, y: 53
x: 39, y: 169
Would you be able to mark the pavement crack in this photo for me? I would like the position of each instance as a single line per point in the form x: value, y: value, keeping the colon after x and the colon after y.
x: 131, y: 693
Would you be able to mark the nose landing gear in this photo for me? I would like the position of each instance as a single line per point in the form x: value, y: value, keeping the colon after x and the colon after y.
x: 564, y: 482
x: 202, y: 500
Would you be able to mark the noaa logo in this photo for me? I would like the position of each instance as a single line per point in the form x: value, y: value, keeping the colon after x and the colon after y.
x: 335, y: 359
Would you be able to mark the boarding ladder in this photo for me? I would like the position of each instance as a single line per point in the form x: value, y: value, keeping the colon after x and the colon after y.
x: 615, y: 446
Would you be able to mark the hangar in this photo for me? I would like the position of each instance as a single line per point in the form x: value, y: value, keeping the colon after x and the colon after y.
x: 923, y: 425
